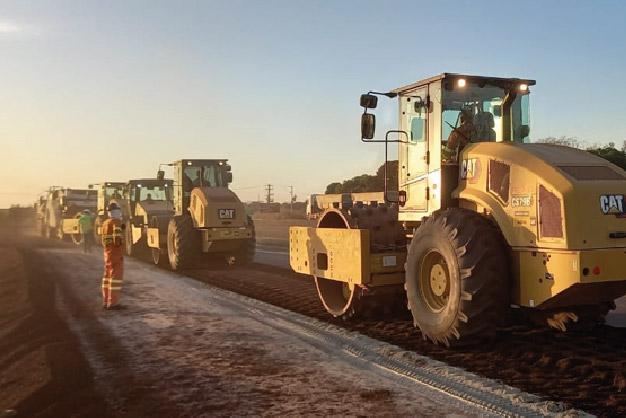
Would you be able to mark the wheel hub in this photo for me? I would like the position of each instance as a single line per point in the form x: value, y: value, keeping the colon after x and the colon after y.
x: 438, y: 280
x: 435, y: 281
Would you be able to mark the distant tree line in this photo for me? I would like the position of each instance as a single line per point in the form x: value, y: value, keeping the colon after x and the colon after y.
x: 608, y: 152
x: 368, y: 182
x: 375, y: 183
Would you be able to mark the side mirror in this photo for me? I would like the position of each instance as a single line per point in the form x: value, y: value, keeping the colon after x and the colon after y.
x: 524, y: 131
x: 368, y: 125
x: 229, y: 177
x: 369, y: 101
x: 160, y: 175
x: 228, y: 167
x: 418, y: 104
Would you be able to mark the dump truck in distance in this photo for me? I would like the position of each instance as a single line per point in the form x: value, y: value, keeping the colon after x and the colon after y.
x: 209, y: 221
x: 483, y: 219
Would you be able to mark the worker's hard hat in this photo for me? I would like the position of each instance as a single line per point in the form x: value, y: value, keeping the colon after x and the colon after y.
x: 86, y: 211
x: 113, y: 206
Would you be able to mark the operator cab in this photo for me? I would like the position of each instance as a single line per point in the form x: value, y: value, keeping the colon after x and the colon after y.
x: 190, y: 174
x: 438, y: 117
x: 107, y: 192
x: 148, y: 191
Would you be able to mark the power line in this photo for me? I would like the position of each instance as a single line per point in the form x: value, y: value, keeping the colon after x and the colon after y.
x: 248, y: 187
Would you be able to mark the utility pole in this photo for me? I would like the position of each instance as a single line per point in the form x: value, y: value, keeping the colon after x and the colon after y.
x: 291, y: 197
x: 269, y: 196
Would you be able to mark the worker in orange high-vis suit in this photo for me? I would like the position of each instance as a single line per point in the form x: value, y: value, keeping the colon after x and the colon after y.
x: 112, y: 241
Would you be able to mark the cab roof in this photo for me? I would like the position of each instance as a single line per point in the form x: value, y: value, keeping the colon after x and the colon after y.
x: 494, y: 81
x: 111, y: 183
x: 150, y: 181
x: 195, y: 162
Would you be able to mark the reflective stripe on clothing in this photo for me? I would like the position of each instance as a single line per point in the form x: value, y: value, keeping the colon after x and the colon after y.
x: 112, y: 233
x: 115, y: 284
x: 113, y: 239
x: 108, y: 283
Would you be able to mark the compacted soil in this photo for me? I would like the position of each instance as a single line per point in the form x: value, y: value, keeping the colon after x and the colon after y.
x: 42, y: 369
x: 179, y: 349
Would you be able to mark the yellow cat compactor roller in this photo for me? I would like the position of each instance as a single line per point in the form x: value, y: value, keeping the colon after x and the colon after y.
x: 208, y: 220
x: 493, y: 223
x: 58, y: 211
x: 143, y: 200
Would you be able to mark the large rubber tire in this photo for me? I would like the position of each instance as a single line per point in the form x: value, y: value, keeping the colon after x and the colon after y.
x: 128, y: 239
x: 183, y: 242
x: 158, y: 255
x: 246, y: 254
x: 457, y: 277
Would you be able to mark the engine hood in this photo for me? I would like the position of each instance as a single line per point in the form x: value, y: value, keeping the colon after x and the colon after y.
x: 148, y: 208
x: 546, y: 195
x: 214, y: 207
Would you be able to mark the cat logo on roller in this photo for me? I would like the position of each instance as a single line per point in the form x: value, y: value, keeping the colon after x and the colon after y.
x: 468, y: 169
x: 227, y: 213
x: 612, y: 204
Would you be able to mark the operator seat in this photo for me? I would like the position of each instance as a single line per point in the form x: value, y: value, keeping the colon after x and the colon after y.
x: 483, y: 127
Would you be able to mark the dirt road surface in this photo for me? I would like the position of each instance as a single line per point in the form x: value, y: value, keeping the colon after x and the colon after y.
x: 183, y: 348
x: 178, y: 350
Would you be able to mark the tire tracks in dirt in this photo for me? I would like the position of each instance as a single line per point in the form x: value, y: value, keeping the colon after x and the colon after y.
x: 584, y: 370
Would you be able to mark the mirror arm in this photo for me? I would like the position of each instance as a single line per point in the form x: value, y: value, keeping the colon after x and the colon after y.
x: 390, y: 94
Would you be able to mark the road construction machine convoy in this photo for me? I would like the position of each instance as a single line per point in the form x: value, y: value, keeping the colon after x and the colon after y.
x: 58, y: 211
x: 208, y: 220
x: 477, y: 229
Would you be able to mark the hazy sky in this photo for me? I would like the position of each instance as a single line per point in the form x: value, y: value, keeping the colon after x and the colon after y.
x: 106, y: 90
